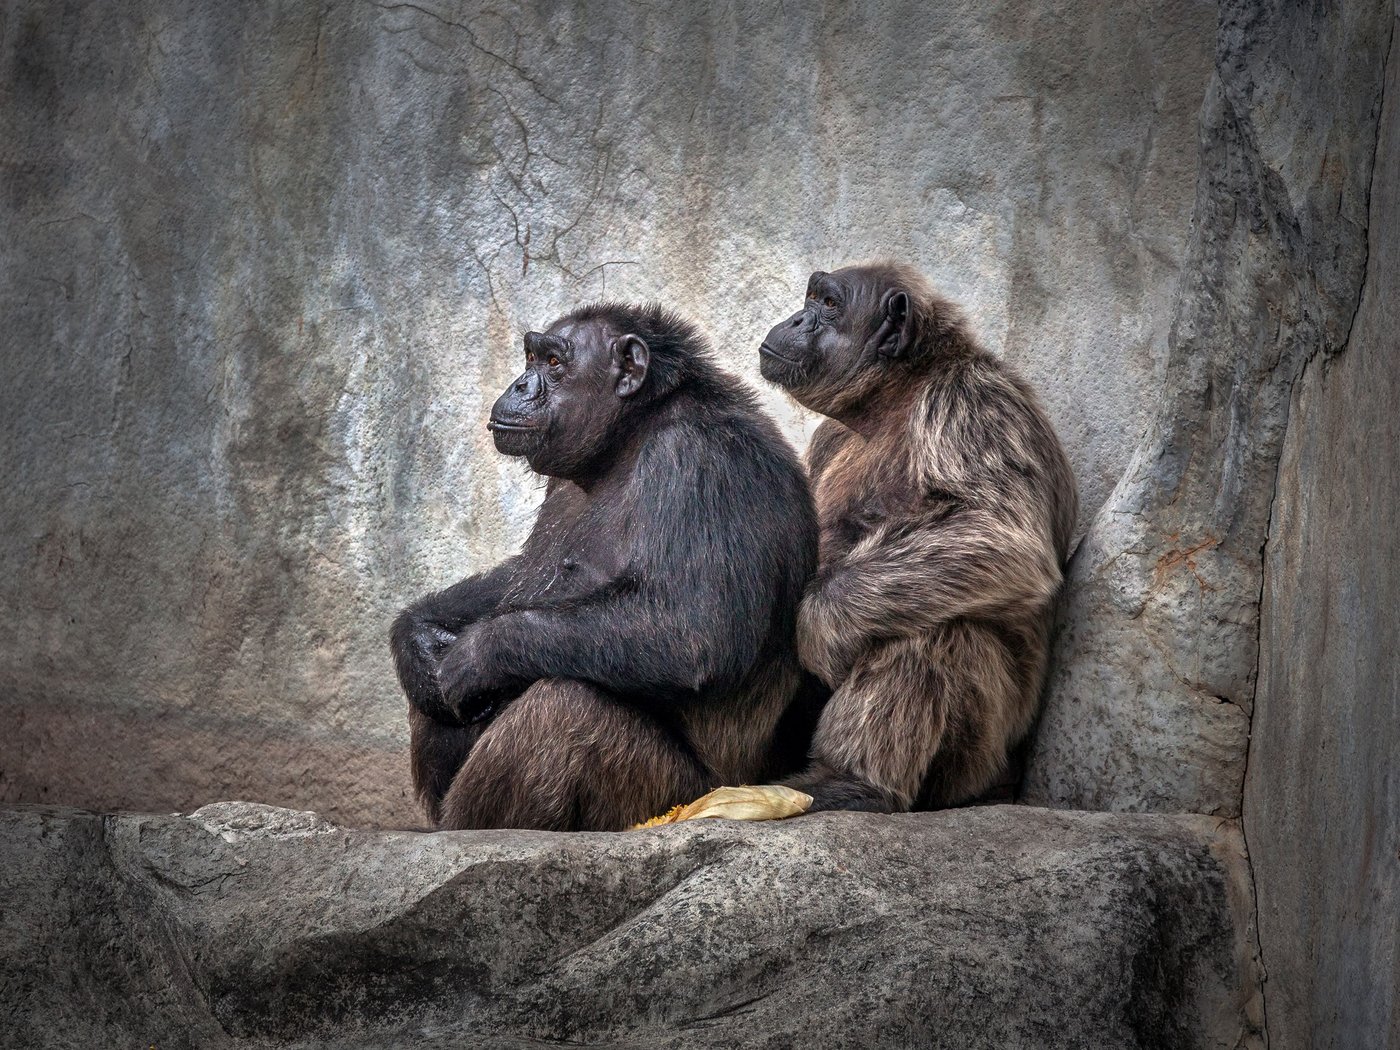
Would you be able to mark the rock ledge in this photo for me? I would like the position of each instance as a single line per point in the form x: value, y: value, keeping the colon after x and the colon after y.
x: 245, y: 925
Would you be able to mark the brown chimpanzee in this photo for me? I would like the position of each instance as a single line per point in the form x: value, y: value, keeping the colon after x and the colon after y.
x: 946, y: 505
x: 639, y: 650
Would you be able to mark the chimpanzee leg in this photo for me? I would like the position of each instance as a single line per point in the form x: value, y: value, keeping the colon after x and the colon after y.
x: 919, y: 722
x: 566, y: 756
x: 419, y: 637
x: 880, y: 730
x: 437, y: 752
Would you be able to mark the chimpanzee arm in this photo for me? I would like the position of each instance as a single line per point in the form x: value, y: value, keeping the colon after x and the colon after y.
x: 423, y: 632
x: 907, y: 577
x: 707, y: 527
x: 976, y: 548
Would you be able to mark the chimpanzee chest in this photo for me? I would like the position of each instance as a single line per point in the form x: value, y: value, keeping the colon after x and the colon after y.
x: 576, y: 549
x: 863, y: 485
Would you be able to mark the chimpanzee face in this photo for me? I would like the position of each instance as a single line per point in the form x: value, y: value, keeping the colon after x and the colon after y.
x: 832, y: 351
x: 560, y: 412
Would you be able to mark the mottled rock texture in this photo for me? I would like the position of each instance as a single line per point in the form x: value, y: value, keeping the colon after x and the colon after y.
x: 1322, y: 796
x: 1149, y: 706
x: 265, y: 267
x: 1001, y: 927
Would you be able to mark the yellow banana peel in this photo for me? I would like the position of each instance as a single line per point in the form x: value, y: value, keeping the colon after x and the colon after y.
x: 765, y: 802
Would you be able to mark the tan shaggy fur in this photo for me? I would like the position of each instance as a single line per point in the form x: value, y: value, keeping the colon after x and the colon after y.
x: 946, y: 506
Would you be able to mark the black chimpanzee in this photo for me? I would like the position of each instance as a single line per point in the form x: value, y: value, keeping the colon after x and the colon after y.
x: 639, y: 650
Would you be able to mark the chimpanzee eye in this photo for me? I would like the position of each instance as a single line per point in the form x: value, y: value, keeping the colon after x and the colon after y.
x: 811, y: 295
x: 553, y: 361
x: 828, y: 301
x: 529, y: 355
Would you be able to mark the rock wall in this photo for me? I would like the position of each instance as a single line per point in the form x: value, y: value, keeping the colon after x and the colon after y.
x: 1148, y: 707
x: 1322, y: 795
x: 265, y: 267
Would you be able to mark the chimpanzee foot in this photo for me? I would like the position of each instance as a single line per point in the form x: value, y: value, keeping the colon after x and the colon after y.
x: 831, y: 790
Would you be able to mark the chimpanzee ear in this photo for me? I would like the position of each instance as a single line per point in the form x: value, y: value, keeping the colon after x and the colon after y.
x: 631, y: 358
x: 894, y: 337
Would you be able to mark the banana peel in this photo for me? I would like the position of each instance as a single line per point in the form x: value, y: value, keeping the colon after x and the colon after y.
x: 765, y: 802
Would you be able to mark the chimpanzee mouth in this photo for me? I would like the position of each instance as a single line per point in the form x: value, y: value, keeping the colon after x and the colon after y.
x: 766, y: 349
x: 515, y: 438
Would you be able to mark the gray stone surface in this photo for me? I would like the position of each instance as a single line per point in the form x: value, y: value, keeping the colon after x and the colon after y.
x: 1002, y: 927
x: 1322, y: 796
x: 264, y: 267
x: 1149, y: 704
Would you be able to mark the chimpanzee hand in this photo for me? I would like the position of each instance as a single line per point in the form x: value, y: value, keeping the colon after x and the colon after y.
x: 418, y: 647
x: 827, y: 651
x: 472, y: 685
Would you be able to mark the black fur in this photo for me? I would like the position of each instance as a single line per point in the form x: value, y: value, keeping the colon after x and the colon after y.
x: 662, y: 575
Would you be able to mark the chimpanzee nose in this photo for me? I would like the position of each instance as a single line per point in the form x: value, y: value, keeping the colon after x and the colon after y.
x: 528, y: 385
